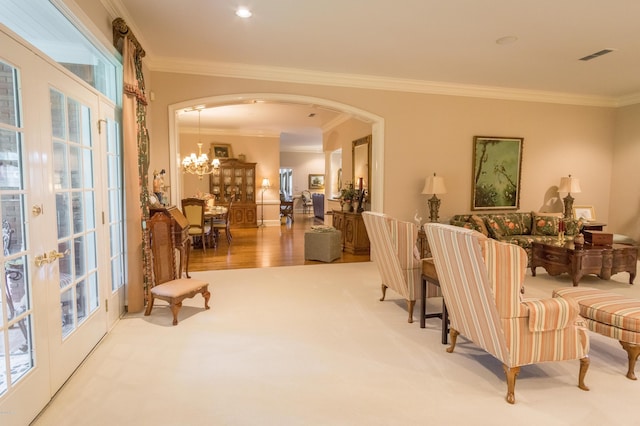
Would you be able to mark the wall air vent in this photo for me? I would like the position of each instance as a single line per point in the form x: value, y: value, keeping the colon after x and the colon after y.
x: 597, y: 54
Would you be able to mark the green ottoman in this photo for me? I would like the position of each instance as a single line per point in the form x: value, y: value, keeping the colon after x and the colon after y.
x: 323, y: 244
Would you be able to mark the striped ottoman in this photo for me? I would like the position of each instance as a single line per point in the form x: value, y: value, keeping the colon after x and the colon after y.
x: 611, y: 315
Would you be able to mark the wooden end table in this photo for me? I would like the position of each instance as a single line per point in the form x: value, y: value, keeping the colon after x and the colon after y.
x: 603, y: 261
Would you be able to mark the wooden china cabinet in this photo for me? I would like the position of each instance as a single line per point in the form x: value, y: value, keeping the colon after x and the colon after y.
x: 236, y: 181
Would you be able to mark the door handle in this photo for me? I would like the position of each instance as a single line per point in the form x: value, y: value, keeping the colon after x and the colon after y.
x: 52, y: 256
x: 55, y: 254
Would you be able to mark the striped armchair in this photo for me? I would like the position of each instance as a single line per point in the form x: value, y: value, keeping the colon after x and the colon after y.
x: 393, y: 246
x: 482, y: 284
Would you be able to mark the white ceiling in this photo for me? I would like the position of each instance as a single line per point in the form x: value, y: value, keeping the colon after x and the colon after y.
x: 450, y: 45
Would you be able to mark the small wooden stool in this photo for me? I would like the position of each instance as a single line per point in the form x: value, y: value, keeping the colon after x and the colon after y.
x: 166, y: 285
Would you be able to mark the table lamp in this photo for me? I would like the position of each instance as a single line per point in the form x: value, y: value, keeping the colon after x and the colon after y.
x: 434, y: 185
x: 569, y: 184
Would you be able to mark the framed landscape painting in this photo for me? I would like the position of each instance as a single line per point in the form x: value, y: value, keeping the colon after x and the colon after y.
x: 316, y: 181
x: 497, y: 163
x: 221, y: 150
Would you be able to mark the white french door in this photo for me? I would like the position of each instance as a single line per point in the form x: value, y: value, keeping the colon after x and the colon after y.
x: 55, y: 263
x: 72, y: 210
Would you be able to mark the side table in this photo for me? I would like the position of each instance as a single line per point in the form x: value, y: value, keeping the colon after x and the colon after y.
x: 429, y: 275
x: 593, y: 226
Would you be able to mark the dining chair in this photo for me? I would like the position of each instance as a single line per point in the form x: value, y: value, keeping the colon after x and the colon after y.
x: 166, y: 283
x: 223, y: 223
x: 193, y: 210
x: 286, y: 207
x: 307, y: 202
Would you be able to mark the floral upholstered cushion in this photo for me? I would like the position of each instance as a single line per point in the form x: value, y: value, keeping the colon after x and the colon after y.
x: 502, y: 225
x: 479, y: 222
x: 545, y: 225
x: 465, y: 224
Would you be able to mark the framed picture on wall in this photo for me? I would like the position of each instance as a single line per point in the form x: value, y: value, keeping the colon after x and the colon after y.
x: 316, y: 181
x: 497, y: 163
x: 221, y: 150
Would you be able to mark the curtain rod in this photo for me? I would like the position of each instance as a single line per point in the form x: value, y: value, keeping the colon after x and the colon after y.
x: 120, y: 31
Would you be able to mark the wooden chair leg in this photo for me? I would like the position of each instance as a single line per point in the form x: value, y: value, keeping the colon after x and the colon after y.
x: 512, y: 373
x: 584, y: 366
x: 384, y: 292
x: 410, y: 305
x: 633, y: 351
x: 453, y: 334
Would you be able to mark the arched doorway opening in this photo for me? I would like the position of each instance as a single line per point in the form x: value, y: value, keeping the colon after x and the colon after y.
x: 377, y: 131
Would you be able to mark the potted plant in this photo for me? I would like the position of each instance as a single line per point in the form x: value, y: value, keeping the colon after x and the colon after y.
x: 348, y: 196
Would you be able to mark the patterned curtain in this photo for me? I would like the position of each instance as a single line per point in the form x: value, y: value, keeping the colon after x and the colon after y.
x: 136, y: 167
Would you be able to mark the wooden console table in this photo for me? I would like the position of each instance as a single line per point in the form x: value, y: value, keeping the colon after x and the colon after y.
x: 354, y: 234
x: 603, y: 261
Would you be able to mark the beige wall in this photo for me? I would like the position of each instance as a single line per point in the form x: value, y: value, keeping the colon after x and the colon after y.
x: 434, y: 133
x: 624, y: 217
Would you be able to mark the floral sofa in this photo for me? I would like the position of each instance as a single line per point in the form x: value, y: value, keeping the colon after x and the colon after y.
x: 519, y: 228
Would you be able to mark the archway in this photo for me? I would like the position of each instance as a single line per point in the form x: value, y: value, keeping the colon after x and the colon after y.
x: 377, y: 131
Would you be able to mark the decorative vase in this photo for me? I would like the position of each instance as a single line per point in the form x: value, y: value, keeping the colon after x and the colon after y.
x: 350, y: 207
x: 578, y: 240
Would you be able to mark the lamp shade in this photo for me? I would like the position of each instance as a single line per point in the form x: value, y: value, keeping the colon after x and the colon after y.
x: 265, y: 183
x: 569, y: 184
x: 434, y: 185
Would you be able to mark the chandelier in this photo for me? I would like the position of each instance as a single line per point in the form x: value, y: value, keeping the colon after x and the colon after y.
x: 199, y: 164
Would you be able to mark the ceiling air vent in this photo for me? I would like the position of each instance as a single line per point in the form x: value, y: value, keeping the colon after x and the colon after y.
x: 597, y: 54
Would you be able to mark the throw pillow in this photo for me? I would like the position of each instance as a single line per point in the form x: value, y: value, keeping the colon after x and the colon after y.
x: 494, y: 228
x: 545, y: 225
x: 507, y: 224
x: 479, y: 222
x: 467, y: 225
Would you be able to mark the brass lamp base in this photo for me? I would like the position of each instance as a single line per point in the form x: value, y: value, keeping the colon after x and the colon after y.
x: 568, y: 206
x: 434, y: 206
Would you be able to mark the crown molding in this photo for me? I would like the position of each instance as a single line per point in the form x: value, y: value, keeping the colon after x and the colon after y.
x: 629, y: 100
x: 291, y: 75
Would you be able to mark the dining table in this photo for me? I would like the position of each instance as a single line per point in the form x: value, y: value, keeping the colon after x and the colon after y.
x: 215, y: 212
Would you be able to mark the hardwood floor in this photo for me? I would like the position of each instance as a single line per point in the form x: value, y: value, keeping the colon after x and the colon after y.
x: 263, y: 247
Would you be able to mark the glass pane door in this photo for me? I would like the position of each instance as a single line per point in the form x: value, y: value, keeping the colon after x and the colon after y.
x: 75, y: 209
x: 16, y: 351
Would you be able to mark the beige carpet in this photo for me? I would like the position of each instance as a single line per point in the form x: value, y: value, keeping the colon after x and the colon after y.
x: 312, y: 345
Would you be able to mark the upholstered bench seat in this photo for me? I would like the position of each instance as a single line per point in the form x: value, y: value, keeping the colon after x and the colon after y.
x: 610, y: 314
x: 180, y: 287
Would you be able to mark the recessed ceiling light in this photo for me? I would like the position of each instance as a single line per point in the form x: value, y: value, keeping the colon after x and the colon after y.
x: 507, y: 40
x: 243, y: 12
